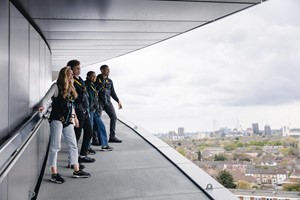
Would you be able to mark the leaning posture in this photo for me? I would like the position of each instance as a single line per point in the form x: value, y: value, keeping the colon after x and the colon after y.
x: 62, y: 121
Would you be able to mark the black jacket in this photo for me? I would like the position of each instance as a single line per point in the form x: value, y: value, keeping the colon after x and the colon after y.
x: 92, y: 96
x: 81, y: 102
x: 106, y: 90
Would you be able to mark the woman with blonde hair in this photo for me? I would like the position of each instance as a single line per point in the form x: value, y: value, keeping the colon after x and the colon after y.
x: 62, y: 120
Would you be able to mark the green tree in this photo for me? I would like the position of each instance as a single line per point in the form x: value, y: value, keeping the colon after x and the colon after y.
x: 239, y: 144
x: 258, y: 143
x: 226, y: 179
x: 293, y: 151
x: 291, y: 187
x: 230, y: 147
x: 284, y: 151
x: 243, y: 185
x: 181, y: 151
x: 275, y: 143
x: 220, y: 157
x: 199, y: 155
x: 241, y: 157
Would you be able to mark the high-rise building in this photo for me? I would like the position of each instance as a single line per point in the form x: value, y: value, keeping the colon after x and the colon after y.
x: 255, y: 128
x: 268, y: 130
x: 215, y: 125
x: 181, y: 131
x: 285, y: 130
x: 249, y: 131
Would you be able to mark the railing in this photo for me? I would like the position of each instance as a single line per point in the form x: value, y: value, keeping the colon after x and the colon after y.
x: 213, y: 189
x: 11, y: 150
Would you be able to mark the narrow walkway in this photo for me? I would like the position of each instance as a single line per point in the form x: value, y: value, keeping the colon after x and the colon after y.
x: 134, y: 170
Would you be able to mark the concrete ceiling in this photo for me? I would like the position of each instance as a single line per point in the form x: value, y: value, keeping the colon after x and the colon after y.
x: 97, y: 30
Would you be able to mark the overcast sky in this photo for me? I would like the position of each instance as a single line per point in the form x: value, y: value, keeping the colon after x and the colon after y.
x: 239, y: 70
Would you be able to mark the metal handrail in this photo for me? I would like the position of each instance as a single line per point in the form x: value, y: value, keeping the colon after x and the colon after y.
x: 16, y: 144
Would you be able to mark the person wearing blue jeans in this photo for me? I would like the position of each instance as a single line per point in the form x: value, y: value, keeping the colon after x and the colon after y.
x: 94, y: 111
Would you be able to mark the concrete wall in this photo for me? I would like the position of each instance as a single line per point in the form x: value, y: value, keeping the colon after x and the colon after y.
x: 25, y: 77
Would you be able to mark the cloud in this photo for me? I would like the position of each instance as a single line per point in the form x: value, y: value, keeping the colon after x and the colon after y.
x: 245, y: 65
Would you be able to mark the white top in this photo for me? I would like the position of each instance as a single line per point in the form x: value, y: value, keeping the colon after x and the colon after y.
x: 52, y: 92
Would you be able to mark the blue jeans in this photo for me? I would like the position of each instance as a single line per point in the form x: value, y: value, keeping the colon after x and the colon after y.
x: 56, y: 130
x: 101, y: 131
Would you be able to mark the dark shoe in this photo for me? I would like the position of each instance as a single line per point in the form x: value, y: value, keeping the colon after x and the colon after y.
x: 56, y: 178
x: 95, y: 143
x: 81, y: 174
x: 114, y: 140
x: 91, y: 151
x: 86, y: 159
x: 72, y: 166
x: 107, y: 148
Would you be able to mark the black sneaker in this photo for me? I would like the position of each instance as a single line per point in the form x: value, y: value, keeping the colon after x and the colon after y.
x: 56, y: 178
x: 81, y: 174
x: 114, y: 140
x: 91, y: 151
x: 86, y: 159
x: 95, y: 142
x: 72, y: 166
x: 107, y: 148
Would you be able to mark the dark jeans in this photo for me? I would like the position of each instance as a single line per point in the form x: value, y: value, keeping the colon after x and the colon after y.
x: 110, y: 110
x: 85, y: 124
x: 101, y: 131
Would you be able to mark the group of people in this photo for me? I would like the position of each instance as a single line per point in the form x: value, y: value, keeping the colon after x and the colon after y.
x: 77, y: 106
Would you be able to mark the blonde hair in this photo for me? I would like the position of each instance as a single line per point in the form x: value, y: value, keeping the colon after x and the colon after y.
x: 65, y: 86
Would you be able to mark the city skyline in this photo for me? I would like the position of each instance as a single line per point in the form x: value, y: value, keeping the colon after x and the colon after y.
x: 244, y: 67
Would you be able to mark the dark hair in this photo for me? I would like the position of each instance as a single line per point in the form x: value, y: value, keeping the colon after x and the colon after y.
x: 90, y: 73
x: 73, y: 63
x: 103, y: 66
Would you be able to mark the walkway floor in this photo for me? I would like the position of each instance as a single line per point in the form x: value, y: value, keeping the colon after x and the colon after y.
x: 134, y: 170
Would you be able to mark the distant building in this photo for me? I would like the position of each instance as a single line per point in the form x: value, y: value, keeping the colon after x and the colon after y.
x: 223, y: 132
x: 265, y: 194
x: 294, y: 133
x: 215, y: 125
x: 180, y: 131
x: 285, y: 130
x: 236, y: 166
x: 271, y: 176
x: 174, y: 136
x: 249, y: 132
x: 272, y: 149
x: 255, y: 128
x: 238, y: 175
x: 268, y: 130
x: 201, y: 135
x: 294, y: 178
x: 211, y: 151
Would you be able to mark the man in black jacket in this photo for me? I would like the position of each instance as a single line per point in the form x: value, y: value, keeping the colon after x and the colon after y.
x: 106, y: 90
x: 82, y: 112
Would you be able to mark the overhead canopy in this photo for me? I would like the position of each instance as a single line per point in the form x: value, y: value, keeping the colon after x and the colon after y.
x: 97, y: 30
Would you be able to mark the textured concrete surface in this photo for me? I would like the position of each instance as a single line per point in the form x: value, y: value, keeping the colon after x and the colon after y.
x: 134, y: 170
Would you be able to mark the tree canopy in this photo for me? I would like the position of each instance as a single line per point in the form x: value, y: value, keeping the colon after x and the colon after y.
x: 226, y: 179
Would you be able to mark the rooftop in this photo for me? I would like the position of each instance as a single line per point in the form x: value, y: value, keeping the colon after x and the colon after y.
x: 134, y: 170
